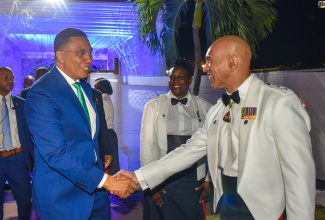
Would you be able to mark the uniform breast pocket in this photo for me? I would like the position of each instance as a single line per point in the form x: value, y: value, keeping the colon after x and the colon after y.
x: 195, y: 125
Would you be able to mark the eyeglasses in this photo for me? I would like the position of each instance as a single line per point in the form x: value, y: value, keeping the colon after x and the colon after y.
x: 81, y: 53
x: 5, y: 78
x: 179, y: 77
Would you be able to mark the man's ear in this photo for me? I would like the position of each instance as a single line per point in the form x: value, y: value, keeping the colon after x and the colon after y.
x: 233, y: 63
x: 59, y: 56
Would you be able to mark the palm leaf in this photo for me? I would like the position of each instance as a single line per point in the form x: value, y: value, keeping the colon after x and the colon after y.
x: 147, y: 11
x: 170, y: 34
x: 252, y: 20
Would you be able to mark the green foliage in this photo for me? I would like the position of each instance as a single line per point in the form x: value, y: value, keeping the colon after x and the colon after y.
x: 147, y: 16
x: 252, y: 20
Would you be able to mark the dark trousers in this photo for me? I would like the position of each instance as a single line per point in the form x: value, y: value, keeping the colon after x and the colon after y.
x: 181, y: 200
x: 233, y: 206
x: 14, y: 169
x: 101, y: 208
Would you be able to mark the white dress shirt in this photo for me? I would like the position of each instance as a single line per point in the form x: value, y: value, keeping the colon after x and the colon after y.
x: 181, y: 119
x: 92, y: 114
x: 229, y: 134
x: 13, y: 123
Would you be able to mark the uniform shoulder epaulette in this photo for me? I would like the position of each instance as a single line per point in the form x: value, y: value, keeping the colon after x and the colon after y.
x: 278, y: 87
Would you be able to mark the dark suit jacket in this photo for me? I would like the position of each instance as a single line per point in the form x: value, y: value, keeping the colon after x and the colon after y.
x: 65, y: 177
x: 107, y: 138
x: 23, y: 93
x: 23, y: 132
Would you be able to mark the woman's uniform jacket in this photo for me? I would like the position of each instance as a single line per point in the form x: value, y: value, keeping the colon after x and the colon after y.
x: 153, y: 141
x: 276, y: 170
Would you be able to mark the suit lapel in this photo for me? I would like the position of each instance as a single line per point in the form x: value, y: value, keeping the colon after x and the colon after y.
x: 253, y: 99
x: 163, y: 107
x: 18, y: 111
x: 88, y: 91
x: 213, y: 141
x: 68, y: 96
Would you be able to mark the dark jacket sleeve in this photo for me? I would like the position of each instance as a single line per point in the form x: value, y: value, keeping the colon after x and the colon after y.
x: 103, y: 134
x: 107, y: 138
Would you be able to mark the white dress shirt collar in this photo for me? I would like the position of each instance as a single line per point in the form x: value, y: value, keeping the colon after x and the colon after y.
x: 243, y: 88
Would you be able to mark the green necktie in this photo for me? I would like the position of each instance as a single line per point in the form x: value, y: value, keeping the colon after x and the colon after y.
x: 81, y: 99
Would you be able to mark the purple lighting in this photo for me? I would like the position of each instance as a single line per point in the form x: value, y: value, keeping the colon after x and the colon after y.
x: 28, y: 28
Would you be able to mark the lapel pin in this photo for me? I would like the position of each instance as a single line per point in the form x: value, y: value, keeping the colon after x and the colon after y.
x: 245, y: 122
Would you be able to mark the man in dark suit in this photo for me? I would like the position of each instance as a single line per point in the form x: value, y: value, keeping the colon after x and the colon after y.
x: 16, y: 147
x: 68, y: 176
x: 38, y: 74
x: 109, y: 153
x: 104, y: 142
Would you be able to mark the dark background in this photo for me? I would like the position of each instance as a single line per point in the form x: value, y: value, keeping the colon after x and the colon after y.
x: 298, y: 38
x: 296, y: 42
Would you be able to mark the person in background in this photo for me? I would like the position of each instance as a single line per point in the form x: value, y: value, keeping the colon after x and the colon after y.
x: 167, y: 122
x: 16, y: 147
x: 111, y: 159
x: 28, y: 81
x: 68, y: 179
x: 257, y: 141
x: 38, y: 74
x: 104, y: 145
x: 104, y: 86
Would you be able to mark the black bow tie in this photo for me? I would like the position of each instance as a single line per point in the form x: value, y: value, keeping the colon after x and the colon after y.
x: 175, y: 101
x: 235, y: 97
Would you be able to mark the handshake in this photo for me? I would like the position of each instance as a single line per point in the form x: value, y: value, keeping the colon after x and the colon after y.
x: 121, y: 184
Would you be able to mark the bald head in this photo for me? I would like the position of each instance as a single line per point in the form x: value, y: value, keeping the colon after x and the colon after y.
x: 28, y: 81
x: 235, y: 46
x: 228, y: 62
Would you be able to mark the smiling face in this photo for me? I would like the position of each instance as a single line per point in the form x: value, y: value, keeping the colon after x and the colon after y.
x: 217, y: 67
x: 74, y: 58
x: 228, y: 63
x: 179, y: 81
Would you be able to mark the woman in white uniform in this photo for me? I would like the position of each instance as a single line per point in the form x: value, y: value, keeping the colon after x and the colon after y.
x: 167, y: 122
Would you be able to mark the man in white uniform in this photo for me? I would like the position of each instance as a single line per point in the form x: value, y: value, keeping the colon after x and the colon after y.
x: 258, y: 144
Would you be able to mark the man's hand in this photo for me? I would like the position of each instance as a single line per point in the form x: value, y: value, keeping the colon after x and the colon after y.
x: 122, y: 187
x: 130, y: 175
x: 206, y: 190
x: 107, y: 161
x: 157, y: 197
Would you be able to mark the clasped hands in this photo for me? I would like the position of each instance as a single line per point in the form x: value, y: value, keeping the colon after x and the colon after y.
x: 121, y: 184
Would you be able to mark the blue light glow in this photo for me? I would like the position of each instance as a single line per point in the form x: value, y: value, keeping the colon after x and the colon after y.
x: 28, y: 28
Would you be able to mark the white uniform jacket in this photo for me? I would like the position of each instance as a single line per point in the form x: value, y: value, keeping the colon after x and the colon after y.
x: 153, y: 138
x: 275, y: 165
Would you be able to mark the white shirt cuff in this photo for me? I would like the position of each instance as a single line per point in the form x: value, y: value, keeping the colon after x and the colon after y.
x: 100, y: 185
x: 142, y: 182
